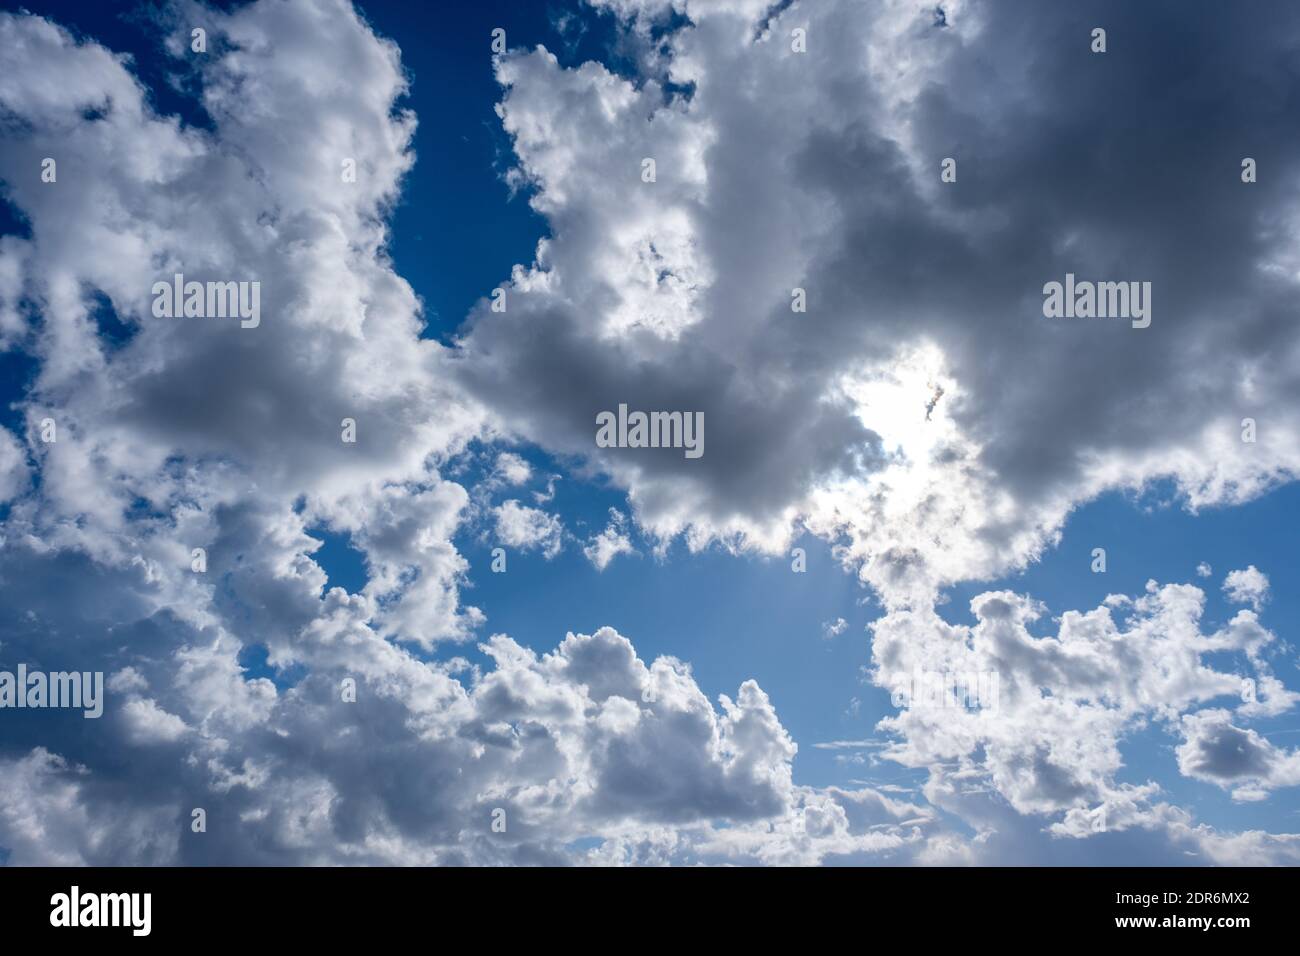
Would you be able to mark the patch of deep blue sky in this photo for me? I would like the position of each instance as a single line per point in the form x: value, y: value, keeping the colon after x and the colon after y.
x: 456, y: 233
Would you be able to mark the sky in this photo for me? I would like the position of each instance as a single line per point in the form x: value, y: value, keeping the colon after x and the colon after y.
x: 476, y: 634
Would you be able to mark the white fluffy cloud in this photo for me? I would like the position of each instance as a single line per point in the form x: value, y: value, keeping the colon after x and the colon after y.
x: 585, y: 740
x: 196, y: 433
x: 519, y: 526
x: 1046, y: 726
x: 1247, y: 586
x: 603, y: 548
x: 512, y: 469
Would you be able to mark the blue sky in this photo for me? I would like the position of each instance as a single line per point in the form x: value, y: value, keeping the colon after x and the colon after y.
x: 1112, y: 441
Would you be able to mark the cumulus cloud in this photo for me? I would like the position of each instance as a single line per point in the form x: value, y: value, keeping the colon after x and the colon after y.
x: 1045, y: 728
x: 217, y: 432
x: 603, y: 548
x: 1233, y: 757
x: 512, y: 469
x: 519, y: 526
x: 934, y: 426
x: 922, y: 396
x: 585, y: 740
x: 1247, y: 586
x: 182, y: 434
x: 148, y: 723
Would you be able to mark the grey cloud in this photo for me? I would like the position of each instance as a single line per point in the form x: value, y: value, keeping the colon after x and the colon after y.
x: 821, y: 171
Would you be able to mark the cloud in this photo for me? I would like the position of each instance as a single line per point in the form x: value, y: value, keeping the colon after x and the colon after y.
x: 1248, y: 586
x: 922, y: 397
x: 519, y: 526
x: 834, y: 628
x: 587, y: 739
x: 46, y: 818
x: 14, y: 474
x: 1233, y: 757
x: 512, y: 469
x: 148, y: 723
x: 192, y: 418
x: 184, y: 434
x: 603, y: 548
x: 922, y: 415
x: 1045, y: 729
